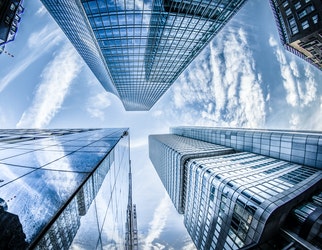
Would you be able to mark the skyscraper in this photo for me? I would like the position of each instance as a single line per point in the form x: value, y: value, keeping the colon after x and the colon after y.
x: 10, y: 15
x: 247, y: 193
x: 137, y: 49
x: 65, y: 187
x: 300, y: 27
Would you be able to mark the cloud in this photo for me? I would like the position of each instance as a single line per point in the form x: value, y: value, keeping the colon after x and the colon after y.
x: 308, y: 90
x: 38, y: 44
x: 2, y: 119
x: 41, y: 11
x: 222, y: 86
x: 158, y: 222
x: 139, y: 142
x: 300, y: 85
x: 300, y: 91
x: 97, y: 105
x: 57, y: 78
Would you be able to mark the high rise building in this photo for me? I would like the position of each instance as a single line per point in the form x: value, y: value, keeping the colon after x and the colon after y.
x: 300, y: 28
x: 243, y: 188
x: 65, y: 188
x: 138, y: 49
x: 10, y: 16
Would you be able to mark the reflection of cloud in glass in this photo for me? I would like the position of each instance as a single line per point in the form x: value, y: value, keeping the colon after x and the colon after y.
x: 67, y: 182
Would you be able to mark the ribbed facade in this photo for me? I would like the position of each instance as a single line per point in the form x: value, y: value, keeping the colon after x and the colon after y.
x: 136, y: 49
x: 301, y: 147
x: 239, y: 199
x: 245, y: 196
x: 168, y: 154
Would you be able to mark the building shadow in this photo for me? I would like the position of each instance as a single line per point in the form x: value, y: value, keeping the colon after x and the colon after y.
x: 11, y: 232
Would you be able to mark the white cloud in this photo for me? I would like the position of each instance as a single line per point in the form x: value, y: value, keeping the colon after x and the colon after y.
x: 157, y: 113
x: 40, y: 39
x: 97, y: 105
x: 272, y: 41
x: 301, y: 88
x: 138, y: 142
x: 39, y: 43
x: 221, y: 87
x: 2, y: 119
x: 294, y: 121
x: 50, y: 94
x: 294, y: 68
x: 307, y: 89
x: 158, y: 223
x: 41, y: 11
x: 300, y: 91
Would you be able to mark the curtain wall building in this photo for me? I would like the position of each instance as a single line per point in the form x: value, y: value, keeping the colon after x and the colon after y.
x: 240, y: 188
x: 65, y: 188
x: 138, y: 49
x: 300, y: 28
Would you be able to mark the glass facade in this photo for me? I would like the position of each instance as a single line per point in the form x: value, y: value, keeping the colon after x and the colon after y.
x: 68, y: 188
x: 243, y: 196
x: 71, y: 18
x: 169, y: 152
x: 179, y: 30
x: 143, y: 46
x: 234, y: 200
x: 308, y: 219
x: 301, y: 147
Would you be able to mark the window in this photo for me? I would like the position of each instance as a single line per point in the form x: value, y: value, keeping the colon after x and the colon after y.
x: 288, y: 12
x: 315, y: 19
x: 7, y: 20
x: 297, y: 5
x: 294, y: 30
x: 212, y: 193
x: 12, y: 7
x: 302, y: 13
x: 292, y: 23
x: 310, y: 8
x: 285, y: 4
x: 305, y: 24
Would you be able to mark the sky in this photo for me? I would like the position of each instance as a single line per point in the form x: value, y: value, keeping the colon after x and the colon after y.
x: 243, y: 78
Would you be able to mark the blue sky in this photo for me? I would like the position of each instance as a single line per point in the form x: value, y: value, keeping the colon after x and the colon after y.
x: 244, y: 78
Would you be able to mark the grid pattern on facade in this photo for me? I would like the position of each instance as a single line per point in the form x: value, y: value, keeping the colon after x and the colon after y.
x: 301, y: 147
x: 178, y: 32
x: 300, y: 26
x: 231, y: 197
x: 168, y: 154
x: 52, y: 183
x: 143, y: 47
x: 71, y: 18
x: 309, y: 213
x: 121, y: 30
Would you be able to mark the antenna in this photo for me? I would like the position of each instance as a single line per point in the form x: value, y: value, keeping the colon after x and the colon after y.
x: 8, y: 54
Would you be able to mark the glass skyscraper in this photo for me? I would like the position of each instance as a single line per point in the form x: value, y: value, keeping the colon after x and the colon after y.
x: 65, y: 188
x: 137, y: 49
x: 262, y: 189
